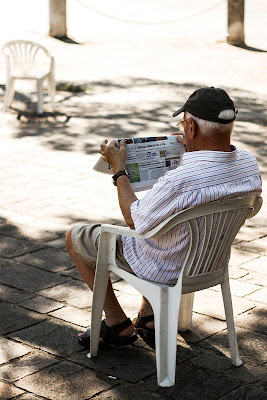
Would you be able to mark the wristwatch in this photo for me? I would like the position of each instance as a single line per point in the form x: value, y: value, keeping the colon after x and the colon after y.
x: 120, y: 173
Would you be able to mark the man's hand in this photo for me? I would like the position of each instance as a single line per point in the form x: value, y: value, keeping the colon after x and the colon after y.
x: 113, y: 155
x: 179, y: 137
x: 117, y: 159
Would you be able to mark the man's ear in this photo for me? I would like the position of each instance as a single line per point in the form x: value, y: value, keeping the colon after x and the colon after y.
x: 193, y: 128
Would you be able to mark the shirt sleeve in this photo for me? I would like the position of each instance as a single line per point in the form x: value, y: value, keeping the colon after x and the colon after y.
x: 155, y: 206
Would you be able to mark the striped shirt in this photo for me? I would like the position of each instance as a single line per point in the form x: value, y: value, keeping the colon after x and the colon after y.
x: 205, y: 176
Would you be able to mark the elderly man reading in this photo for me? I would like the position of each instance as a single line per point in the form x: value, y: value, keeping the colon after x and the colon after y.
x: 212, y: 170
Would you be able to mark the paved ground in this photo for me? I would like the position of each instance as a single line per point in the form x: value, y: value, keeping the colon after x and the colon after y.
x: 47, y: 185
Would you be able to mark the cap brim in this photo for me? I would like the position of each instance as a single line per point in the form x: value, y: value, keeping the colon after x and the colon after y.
x: 178, y: 112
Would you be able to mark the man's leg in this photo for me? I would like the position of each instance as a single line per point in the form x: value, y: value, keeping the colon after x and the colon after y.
x: 145, y: 311
x: 114, y: 314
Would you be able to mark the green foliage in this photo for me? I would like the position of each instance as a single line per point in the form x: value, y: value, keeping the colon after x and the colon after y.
x: 69, y: 87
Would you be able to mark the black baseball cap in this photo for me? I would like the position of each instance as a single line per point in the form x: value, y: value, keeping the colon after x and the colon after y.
x: 207, y: 103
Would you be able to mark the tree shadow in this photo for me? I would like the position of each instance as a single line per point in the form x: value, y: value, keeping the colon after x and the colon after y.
x: 130, y: 107
x: 66, y: 39
x: 249, y: 48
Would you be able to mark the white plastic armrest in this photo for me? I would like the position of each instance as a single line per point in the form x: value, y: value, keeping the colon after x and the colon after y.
x: 120, y: 230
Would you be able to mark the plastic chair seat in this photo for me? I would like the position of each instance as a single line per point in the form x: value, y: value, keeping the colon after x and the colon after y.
x: 206, y: 265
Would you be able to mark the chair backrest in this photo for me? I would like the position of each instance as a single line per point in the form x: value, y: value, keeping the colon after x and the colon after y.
x: 212, y: 227
x: 212, y: 234
x: 26, y: 58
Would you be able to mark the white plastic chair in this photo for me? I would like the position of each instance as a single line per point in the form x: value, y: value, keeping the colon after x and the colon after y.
x: 28, y: 60
x: 206, y: 265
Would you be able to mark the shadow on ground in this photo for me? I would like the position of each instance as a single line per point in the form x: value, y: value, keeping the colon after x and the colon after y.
x: 130, y: 107
x: 44, y: 304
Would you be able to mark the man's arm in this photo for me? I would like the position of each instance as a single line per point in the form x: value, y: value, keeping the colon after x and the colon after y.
x: 117, y: 159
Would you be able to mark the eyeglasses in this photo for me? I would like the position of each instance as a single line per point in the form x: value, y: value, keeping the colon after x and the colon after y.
x: 180, y: 126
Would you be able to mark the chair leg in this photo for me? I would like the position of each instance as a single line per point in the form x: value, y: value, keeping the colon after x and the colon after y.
x: 51, y: 85
x: 166, y: 312
x: 185, y: 315
x: 100, y: 288
x: 40, y: 96
x: 9, y: 93
x: 226, y: 293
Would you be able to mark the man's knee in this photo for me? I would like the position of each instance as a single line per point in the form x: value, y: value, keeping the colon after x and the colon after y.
x: 69, y: 244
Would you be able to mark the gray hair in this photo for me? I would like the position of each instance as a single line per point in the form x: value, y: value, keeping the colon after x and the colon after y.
x: 207, y: 127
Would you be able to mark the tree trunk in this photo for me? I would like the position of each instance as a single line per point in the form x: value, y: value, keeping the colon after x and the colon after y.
x: 58, y: 19
x: 236, y: 11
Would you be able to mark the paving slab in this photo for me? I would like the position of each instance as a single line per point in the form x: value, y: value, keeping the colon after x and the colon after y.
x: 30, y: 396
x: 8, y: 391
x: 75, y: 293
x: 130, y: 303
x: 73, y: 315
x: 209, y: 302
x: 28, y: 278
x: 12, y: 247
x: 49, y: 259
x: 13, y: 295
x: 59, y: 243
x: 236, y: 272
x: 245, y: 392
x: 25, y: 366
x: 54, y: 336
x: 73, y: 273
x: 192, y: 383
x: 255, y: 319
x: 239, y: 256
x: 128, y: 392
x: 256, y: 265
x: 202, y: 327
x: 212, y: 360
x: 251, y: 345
x: 9, y: 349
x: 129, y: 363
x: 260, y: 295
x: 26, y: 232
x: 239, y: 288
x: 248, y: 373
x: 256, y: 278
x: 41, y: 304
x: 13, y: 317
x: 66, y: 380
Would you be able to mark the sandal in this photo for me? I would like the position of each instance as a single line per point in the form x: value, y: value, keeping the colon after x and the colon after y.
x: 110, y: 335
x: 148, y: 334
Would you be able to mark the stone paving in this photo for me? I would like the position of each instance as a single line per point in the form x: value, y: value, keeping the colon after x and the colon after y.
x: 47, y: 185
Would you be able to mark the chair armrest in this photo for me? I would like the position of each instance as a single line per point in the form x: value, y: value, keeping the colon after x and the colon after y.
x: 120, y: 230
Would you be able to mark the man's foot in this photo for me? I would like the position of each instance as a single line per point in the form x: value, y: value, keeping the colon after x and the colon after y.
x: 144, y: 326
x: 116, y: 335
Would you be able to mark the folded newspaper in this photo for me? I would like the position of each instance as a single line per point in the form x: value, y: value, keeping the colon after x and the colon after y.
x: 148, y: 159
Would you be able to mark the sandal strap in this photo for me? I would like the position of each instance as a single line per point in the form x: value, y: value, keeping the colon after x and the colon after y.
x: 141, y: 321
x: 110, y: 333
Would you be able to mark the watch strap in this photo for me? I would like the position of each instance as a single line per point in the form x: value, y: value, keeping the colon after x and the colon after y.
x: 116, y: 176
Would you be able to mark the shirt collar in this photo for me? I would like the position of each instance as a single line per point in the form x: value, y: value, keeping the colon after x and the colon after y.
x: 210, y: 155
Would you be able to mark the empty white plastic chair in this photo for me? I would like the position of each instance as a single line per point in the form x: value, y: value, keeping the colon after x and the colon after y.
x: 206, y: 265
x: 28, y: 60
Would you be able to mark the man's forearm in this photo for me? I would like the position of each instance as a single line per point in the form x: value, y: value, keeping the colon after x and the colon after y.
x: 126, y: 197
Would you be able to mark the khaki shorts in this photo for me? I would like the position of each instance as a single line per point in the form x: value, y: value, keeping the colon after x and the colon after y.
x: 85, y: 239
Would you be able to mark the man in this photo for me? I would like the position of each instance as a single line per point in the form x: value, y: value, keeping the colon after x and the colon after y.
x: 212, y: 170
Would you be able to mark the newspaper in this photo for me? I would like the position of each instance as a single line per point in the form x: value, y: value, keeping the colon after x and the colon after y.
x: 148, y: 159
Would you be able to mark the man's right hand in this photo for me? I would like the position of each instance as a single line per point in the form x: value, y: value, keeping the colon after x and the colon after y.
x: 113, y: 155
